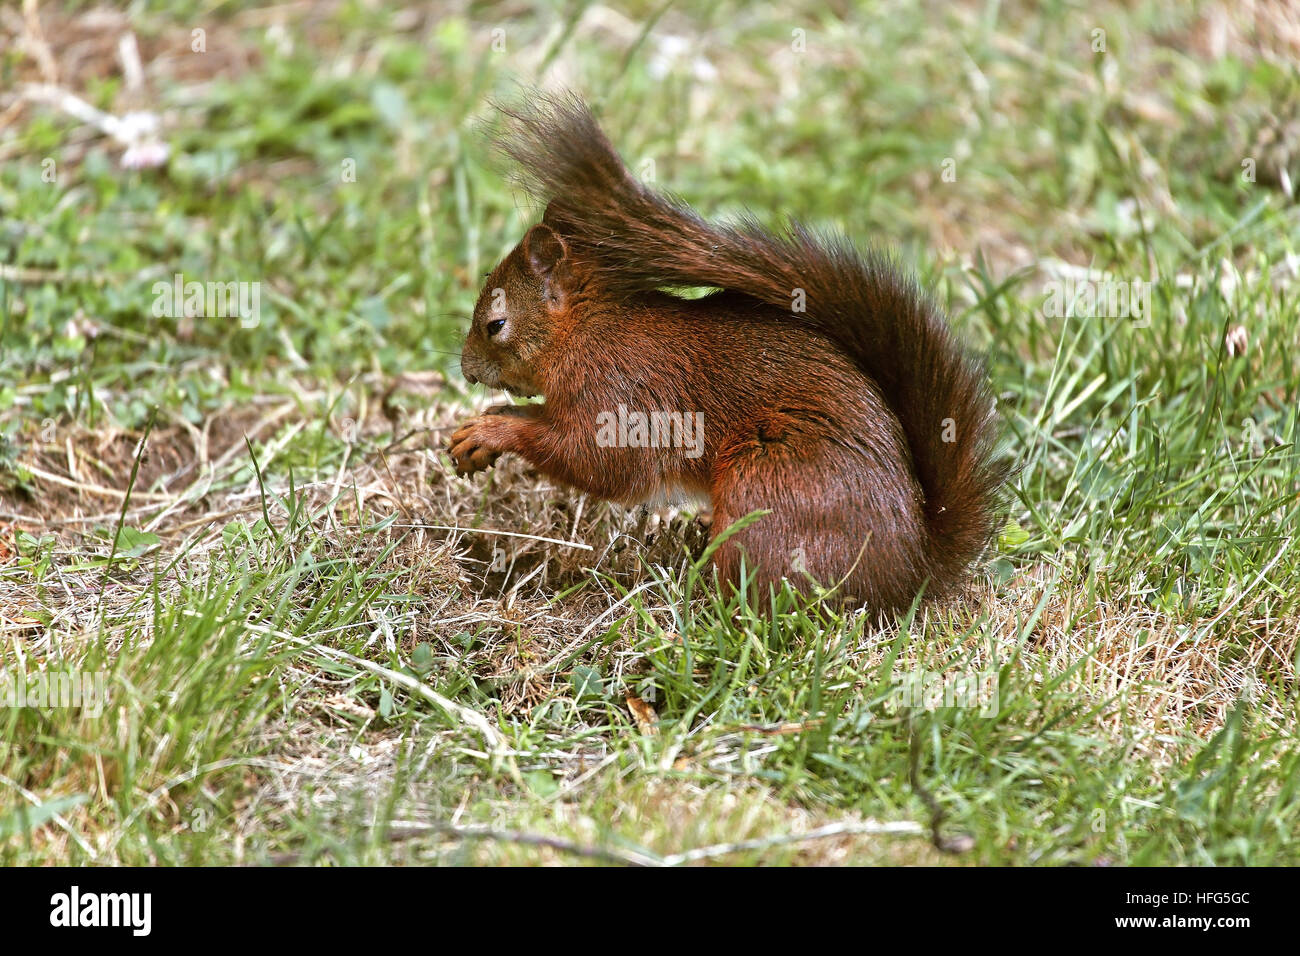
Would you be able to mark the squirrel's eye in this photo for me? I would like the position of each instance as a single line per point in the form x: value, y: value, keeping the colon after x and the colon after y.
x: 495, y: 326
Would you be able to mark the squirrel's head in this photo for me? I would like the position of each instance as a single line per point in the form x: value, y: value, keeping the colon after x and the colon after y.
x: 517, y: 313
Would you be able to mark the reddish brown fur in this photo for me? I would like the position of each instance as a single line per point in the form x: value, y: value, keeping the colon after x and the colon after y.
x: 832, y: 419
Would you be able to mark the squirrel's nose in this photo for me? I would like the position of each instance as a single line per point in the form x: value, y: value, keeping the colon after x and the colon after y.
x: 471, y: 378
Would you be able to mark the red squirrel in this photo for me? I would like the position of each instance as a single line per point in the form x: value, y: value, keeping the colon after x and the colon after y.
x: 831, y: 392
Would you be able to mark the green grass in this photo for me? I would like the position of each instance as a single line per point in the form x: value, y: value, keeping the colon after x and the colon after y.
x: 302, y: 667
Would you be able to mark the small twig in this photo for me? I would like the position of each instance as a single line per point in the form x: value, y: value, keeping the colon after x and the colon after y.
x: 94, y: 489
x: 957, y: 844
x: 494, y: 738
x: 405, y: 830
x: 508, y: 534
x: 402, y: 830
x: 867, y: 827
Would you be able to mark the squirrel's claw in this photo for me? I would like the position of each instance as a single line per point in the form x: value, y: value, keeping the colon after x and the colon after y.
x: 468, y: 450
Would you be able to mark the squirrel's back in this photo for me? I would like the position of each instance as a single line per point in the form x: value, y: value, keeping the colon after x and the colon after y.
x: 633, y: 240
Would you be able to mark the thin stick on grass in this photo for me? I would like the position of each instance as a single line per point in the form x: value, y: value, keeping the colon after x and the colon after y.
x: 495, y: 739
x: 864, y: 828
x: 405, y: 830
x: 93, y: 489
x: 402, y: 830
x: 508, y: 534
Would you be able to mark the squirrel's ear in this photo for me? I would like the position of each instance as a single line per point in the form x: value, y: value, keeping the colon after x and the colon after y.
x: 543, y: 249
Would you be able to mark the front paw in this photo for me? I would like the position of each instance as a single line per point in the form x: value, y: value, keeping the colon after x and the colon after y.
x: 476, y: 445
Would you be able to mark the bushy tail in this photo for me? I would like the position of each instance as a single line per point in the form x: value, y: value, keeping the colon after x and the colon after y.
x: 636, y: 240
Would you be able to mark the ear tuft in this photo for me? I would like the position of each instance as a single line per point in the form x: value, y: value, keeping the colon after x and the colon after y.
x: 543, y: 249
